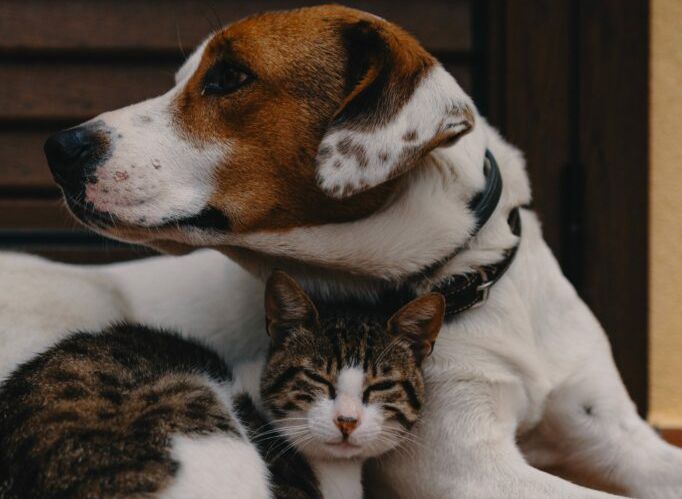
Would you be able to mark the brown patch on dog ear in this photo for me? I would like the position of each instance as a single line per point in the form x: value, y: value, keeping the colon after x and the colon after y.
x: 287, y: 306
x: 383, y: 67
x: 420, y: 322
x: 397, y: 97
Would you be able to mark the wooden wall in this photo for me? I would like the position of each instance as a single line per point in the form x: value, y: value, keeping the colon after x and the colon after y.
x: 567, y: 81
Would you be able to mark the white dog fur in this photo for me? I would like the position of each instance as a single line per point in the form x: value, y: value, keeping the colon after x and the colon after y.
x: 525, y: 382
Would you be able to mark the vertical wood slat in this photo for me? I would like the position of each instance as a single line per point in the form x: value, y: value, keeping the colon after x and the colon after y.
x: 537, y: 110
x: 568, y: 86
x: 613, y: 122
x: 489, y: 75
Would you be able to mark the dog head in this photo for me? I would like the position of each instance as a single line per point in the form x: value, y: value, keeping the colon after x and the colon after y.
x: 282, y: 120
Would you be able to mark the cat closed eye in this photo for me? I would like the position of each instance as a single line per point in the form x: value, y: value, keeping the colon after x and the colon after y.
x: 313, y: 376
x: 377, y: 387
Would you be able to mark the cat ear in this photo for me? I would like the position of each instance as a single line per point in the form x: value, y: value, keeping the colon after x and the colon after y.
x: 420, y: 321
x: 287, y: 306
x: 400, y: 104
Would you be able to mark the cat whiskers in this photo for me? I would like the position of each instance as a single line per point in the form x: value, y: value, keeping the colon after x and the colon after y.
x: 407, y: 443
x: 275, y: 422
x: 280, y: 433
x: 300, y: 442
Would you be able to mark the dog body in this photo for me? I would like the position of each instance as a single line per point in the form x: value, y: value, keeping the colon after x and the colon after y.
x: 317, y: 140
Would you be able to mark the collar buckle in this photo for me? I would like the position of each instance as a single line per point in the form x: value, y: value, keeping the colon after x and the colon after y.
x: 483, y: 289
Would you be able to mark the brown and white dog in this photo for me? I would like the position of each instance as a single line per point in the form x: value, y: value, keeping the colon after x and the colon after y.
x: 328, y: 142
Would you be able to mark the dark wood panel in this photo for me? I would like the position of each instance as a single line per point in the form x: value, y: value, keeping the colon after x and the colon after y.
x: 490, y: 39
x: 127, y: 25
x: 613, y: 150
x: 28, y: 213
x: 463, y: 74
x: 567, y: 84
x: 64, y: 91
x: 538, y: 109
x: 22, y: 164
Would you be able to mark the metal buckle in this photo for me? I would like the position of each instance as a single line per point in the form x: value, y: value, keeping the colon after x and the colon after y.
x: 483, y: 289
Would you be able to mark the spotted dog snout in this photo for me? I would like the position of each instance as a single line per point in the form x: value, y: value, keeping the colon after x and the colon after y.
x: 73, y: 156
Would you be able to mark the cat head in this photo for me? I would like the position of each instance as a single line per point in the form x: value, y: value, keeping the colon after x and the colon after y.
x: 340, y: 386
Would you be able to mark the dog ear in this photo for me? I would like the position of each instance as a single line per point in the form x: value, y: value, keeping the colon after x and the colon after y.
x: 419, y: 321
x: 400, y: 104
x: 287, y: 307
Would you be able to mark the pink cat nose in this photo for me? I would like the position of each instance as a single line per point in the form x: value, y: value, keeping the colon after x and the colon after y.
x: 346, y: 424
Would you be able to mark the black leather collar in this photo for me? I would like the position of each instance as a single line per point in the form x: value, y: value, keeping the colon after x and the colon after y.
x: 466, y: 291
x: 484, y: 203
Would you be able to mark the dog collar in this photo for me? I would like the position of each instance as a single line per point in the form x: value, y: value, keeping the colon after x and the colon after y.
x: 471, y: 290
x: 484, y: 203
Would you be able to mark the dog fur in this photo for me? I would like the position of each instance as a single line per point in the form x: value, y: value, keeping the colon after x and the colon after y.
x: 523, y: 384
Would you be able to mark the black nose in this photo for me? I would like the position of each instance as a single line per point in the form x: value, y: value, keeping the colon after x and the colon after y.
x: 73, y: 154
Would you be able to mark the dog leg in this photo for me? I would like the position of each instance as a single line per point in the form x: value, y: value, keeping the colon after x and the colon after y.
x: 464, y: 448
x: 591, y: 431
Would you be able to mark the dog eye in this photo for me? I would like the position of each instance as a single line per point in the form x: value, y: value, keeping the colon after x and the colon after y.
x: 224, y: 78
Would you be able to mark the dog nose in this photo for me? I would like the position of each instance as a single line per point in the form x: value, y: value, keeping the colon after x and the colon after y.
x: 346, y: 424
x: 71, y: 155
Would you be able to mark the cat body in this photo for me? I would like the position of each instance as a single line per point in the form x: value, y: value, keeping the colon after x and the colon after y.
x: 117, y: 414
x: 137, y: 412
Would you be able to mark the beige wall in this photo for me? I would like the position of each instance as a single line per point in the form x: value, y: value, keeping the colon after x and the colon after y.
x: 666, y: 214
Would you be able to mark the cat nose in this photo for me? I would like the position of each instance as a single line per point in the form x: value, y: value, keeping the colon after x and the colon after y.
x: 346, y: 424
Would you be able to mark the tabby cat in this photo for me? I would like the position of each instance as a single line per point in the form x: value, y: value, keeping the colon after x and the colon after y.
x: 136, y: 412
